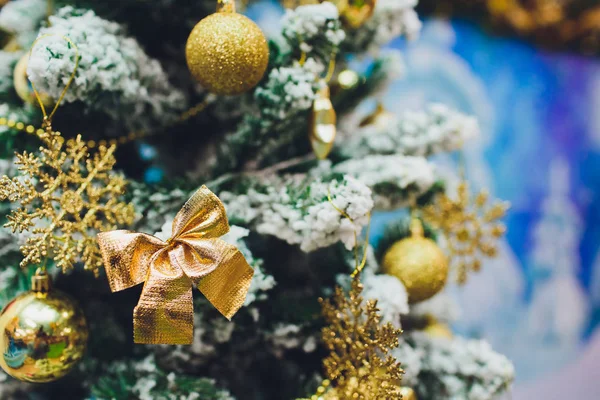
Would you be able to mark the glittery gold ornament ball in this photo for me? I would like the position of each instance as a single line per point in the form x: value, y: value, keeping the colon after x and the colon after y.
x: 420, y: 264
x: 43, y: 334
x: 227, y: 53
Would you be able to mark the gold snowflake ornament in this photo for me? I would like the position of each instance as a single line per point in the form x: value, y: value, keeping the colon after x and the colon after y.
x: 66, y: 197
x: 359, y: 365
x: 471, y: 227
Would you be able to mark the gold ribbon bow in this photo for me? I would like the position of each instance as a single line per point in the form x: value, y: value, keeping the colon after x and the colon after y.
x: 194, y: 255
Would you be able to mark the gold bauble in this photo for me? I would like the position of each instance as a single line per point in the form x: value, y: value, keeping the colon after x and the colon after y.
x: 227, y: 53
x: 22, y: 85
x: 408, y: 393
x: 419, y: 263
x: 43, y: 334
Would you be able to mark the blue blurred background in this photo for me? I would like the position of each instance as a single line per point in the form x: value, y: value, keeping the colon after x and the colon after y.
x: 539, y: 301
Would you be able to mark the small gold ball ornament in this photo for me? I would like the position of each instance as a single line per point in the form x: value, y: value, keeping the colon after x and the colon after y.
x: 23, y: 86
x: 227, y: 52
x: 408, y: 393
x: 43, y: 333
x: 419, y: 263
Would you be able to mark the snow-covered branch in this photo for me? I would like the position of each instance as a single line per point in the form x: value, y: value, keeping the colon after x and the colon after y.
x: 115, y: 76
x: 394, y: 179
x: 416, y: 133
x: 298, y: 211
x: 457, y: 368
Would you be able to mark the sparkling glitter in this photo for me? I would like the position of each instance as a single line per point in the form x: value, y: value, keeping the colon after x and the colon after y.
x: 227, y: 53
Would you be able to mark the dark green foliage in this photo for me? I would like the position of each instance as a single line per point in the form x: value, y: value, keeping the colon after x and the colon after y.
x: 120, y: 381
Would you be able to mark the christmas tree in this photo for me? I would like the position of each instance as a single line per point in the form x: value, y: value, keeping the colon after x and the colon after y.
x: 136, y: 118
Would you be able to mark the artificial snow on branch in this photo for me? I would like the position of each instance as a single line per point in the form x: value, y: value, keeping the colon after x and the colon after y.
x: 442, y: 307
x: 261, y: 281
x: 115, y: 76
x: 314, y: 29
x: 391, y: 19
x: 144, y: 380
x: 282, y: 102
x: 22, y: 18
x: 297, y: 210
x: 391, y: 296
x: 416, y: 133
x: 455, y: 368
x: 394, y: 179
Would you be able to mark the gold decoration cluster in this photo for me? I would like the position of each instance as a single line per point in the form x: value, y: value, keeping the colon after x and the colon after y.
x: 66, y: 197
x: 359, y: 365
x: 552, y: 21
x: 567, y: 24
x: 471, y: 226
x: 353, y: 13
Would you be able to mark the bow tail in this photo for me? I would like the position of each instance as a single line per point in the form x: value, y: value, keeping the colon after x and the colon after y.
x: 165, y: 311
x: 226, y: 287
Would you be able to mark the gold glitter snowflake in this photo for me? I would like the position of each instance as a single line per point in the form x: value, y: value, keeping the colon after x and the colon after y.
x: 470, y: 226
x: 357, y: 344
x: 66, y: 196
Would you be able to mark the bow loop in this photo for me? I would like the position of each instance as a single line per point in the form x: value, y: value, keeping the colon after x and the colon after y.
x: 202, y: 216
x: 127, y: 257
x: 195, y: 255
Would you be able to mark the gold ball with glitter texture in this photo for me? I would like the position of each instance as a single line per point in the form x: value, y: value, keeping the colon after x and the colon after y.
x: 227, y: 53
x: 419, y: 263
x: 43, y: 334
